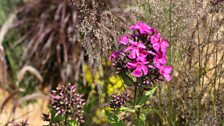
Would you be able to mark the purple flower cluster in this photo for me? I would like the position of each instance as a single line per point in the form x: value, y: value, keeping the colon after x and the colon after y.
x: 119, y: 100
x: 143, y: 53
x: 67, y: 102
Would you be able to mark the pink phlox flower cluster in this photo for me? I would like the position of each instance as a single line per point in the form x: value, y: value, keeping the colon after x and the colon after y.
x: 143, y: 51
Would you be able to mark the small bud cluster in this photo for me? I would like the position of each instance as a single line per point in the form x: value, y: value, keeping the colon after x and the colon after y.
x: 143, y: 53
x: 119, y: 100
x: 67, y: 102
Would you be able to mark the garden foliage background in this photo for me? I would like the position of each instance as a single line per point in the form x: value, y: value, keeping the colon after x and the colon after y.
x: 48, y: 43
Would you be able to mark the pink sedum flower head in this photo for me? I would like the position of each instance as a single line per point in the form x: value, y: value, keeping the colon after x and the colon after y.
x: 134, y: 49
x: 142, y: 27
x: 166, y: 71
x: 124, y: 40
x: 158, y: 43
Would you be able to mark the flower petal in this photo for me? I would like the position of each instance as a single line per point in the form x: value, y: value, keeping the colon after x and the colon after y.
x: 162, y: 59
x: 128, y: 48
x: 124, y: 40
x: 168, y: 69
x: 131, y: 65
x: 167, y: 77
x: 132, y: 27
x: 153, y: 40
x: 141, y: 45
x: 132, y: 54
x: 137, y: 72
x: 156, y: 46
x: 158, y: 36
x: 164, y: 45
x: 144, y: 69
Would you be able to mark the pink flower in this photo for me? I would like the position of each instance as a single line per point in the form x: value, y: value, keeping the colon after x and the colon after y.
x: 124, y: 40
x: 140, y: 68
x: 165, y: 71
x: 142, y: 27
x: 115, y: 55
x: 134, y: 49
x: 158, y: 43
x: 159, y: 59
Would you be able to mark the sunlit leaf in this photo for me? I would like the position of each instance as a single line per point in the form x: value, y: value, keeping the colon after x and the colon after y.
x: 126, y: 109
x: 146, y: 96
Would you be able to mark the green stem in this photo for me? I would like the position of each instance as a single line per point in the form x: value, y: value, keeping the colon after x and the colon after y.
x: 135, y: 95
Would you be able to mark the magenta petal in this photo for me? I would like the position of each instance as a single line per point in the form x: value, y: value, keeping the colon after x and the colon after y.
x: 162, y: 60
x: 144, y: 69
x: 133, y: 42
x: 132, y: 27
x: 132, y: 54
x: 164, y: 45
x: 159, y: 66
x: 141, y: 45
x: 158, y: 36
x: 142, y: 59
x: 153, y: 39
x: 142, y: 31
x: 167, y: 77
x: 128, y: 48
x: 124, y: 40
x: 137, y: 72
x: 156, y: 46
x: 168, y: 69
x: 131, y: 65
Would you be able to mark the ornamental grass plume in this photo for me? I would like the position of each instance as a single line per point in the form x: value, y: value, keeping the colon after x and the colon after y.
x: 143, y: 54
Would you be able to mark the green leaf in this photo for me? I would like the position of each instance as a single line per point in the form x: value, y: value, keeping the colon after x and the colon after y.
x: 127, y: 79
x: 142, y: 117
x: 142, y: 100
x: 151, y: 92
x: 73, y: 123
x: 126, y: 109
x: 114, y: 120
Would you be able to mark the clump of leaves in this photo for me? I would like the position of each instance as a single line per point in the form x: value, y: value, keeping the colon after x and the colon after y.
x: 141, y: 63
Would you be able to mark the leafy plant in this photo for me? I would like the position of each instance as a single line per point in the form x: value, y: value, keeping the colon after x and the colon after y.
x: 141, y: 63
